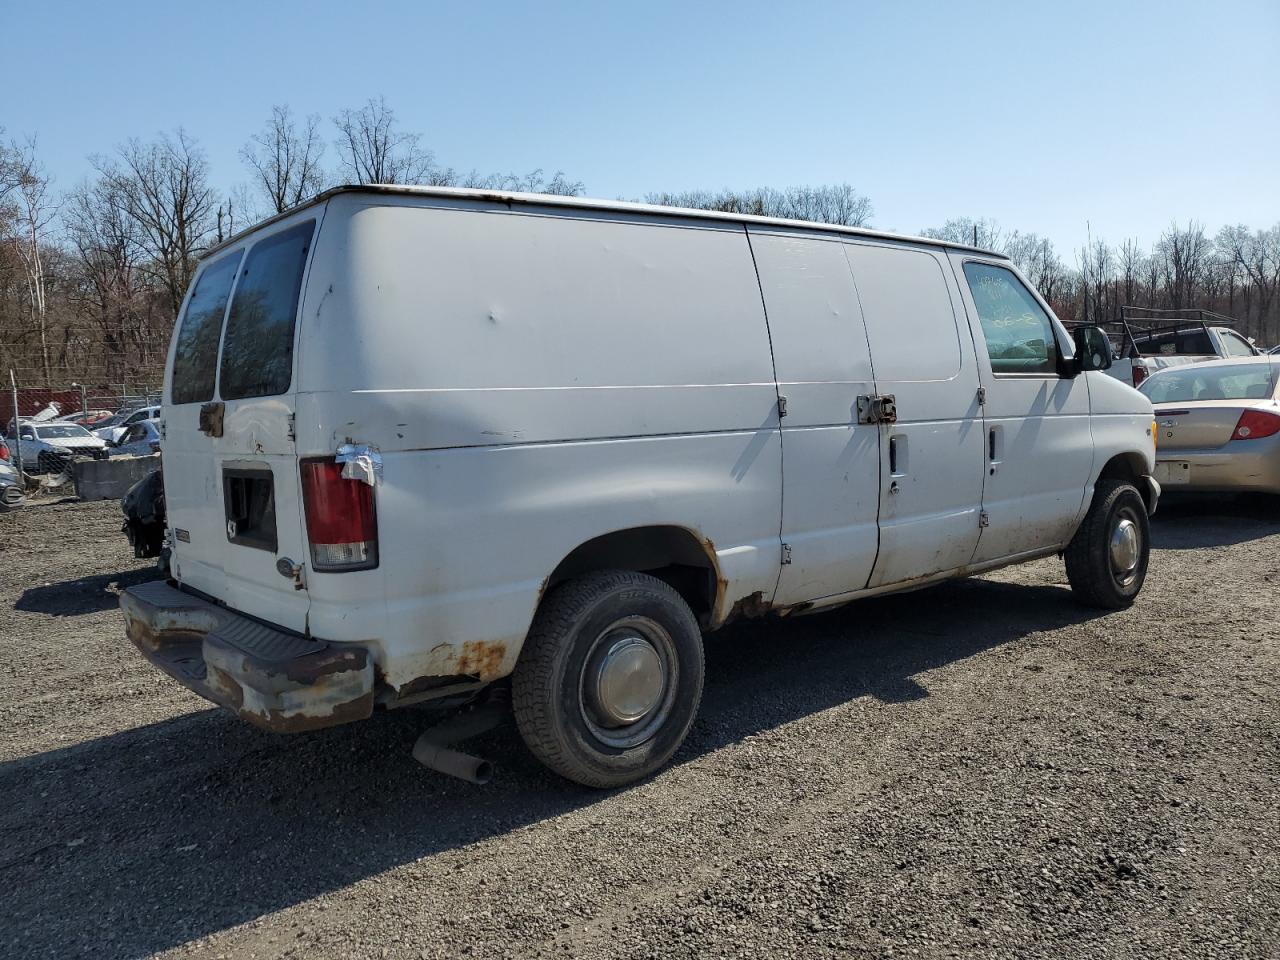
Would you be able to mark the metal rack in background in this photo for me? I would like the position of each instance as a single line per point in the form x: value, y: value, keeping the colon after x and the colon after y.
x: 1152, y: 322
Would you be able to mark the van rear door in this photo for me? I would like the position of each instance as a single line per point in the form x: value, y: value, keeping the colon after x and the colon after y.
x: 231, y: 468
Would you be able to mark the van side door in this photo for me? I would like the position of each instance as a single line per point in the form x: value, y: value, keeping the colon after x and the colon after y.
x: 931, y: 458
x: 1037, y: 436
x: 831, y: 462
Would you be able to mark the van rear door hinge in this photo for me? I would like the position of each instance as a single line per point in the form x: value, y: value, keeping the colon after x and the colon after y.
x: 984, y: 519
x: 786, y: 554
x: 782, y: 407
x: 982, y: 396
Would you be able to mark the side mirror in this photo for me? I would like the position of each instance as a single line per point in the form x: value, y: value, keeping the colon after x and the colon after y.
x: 1093, y: 348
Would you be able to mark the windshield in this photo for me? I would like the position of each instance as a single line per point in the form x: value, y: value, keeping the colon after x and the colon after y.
x: 1186, y: 384
x: 61, y: 431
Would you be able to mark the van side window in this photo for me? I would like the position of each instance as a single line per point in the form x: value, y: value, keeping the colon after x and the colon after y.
x: 257, y: 353
x: 1018, y: 332
x: 195, y: 359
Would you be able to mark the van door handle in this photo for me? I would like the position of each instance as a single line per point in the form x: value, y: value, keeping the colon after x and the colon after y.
x: 995, y: 447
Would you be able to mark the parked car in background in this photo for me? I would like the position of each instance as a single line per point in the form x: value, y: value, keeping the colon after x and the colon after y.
x: 113, y: 431
x: 1218, y: 425
x: 11, y: 487
x: 139, y: 440
x: 1274, y: 351
x: 459, y: 437
x: 90, y: 419
x: 1148, y: 340
x: 49, y: 447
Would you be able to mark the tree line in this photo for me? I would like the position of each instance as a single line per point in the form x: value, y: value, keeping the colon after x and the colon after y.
x: 92, y: 277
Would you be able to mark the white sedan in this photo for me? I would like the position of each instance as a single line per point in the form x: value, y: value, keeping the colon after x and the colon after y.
x: 50, y: 447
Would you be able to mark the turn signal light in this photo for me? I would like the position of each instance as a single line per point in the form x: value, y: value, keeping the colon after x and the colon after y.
x: 1256, y: 424
x: 341, y: 524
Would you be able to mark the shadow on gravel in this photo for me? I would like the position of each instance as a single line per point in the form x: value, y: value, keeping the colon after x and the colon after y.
x: 1186, y: 522
x: 144, y: 840
x: 72, y: 598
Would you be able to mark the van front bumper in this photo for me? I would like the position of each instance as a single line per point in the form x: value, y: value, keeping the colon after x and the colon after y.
x: 276, y: 680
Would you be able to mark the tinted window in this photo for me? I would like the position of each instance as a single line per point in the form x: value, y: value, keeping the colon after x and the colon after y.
x: 1018, y: 332
x: 1183, y: 343
x: 257, y: 353
x: 196, y: 358
x: 1254, y: 382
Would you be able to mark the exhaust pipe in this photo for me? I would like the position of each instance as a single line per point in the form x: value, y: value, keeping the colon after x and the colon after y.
x: 433, y: 756
x: 431, y: 751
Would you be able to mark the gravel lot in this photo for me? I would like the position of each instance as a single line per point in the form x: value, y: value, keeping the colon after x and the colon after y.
x: 981, y: 769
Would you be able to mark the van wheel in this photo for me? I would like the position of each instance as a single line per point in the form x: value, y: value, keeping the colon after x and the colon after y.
x: 609, y: 679
x: 1107, y: 558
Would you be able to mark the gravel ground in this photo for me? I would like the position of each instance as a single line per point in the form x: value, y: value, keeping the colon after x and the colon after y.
x: 980, y: 769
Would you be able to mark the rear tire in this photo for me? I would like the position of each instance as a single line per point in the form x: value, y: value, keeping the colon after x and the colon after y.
x: 609, y: 679
x: 1107, y: 558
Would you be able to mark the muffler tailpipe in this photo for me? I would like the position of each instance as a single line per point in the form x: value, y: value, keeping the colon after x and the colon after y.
x: 429, y: 752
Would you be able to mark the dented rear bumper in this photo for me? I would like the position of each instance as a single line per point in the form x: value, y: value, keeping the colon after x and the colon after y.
x: 274, y: 679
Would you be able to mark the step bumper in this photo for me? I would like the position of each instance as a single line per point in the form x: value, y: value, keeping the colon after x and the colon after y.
x: 274, y: 679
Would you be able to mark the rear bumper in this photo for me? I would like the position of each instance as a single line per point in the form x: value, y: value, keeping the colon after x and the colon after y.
x: 275, y: 680
x: 1251, y: 465
x: 1151, y: 495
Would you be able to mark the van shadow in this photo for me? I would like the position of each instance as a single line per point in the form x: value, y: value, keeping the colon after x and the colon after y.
x: 145, y: 839
x: 1190, y: 522
x: 71, y: 598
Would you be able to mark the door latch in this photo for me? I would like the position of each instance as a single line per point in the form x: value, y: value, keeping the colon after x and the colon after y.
x: 877, y: 409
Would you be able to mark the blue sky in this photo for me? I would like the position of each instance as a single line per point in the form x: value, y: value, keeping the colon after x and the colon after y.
x: 1040, y: 115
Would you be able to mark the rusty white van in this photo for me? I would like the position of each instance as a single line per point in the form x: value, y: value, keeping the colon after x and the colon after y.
x: 425, y: 443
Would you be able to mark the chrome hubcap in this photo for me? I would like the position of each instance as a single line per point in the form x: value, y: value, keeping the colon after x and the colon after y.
x: 628, y: 682
x: 1124, y: 547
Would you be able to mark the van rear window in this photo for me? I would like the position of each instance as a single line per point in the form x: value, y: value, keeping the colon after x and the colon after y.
x: 257, y: 352
x: 195, y: 359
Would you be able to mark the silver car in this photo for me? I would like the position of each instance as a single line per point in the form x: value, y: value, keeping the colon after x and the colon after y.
x: 1218, y: 425
x: 11, y: 490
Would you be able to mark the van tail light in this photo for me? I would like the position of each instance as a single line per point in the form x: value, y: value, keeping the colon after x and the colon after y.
x: 1139, y: 373
x: 1255, y: 424
x: 341, y: 523
x: 4, y: 451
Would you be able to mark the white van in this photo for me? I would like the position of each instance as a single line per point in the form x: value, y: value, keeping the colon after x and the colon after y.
x: 420, y: 440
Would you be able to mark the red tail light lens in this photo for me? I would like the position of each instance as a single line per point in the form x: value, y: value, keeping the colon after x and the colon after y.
x: 1139, y: 373
x: 4, y: 452
x: 341, y: 523
x: 1256, y: 424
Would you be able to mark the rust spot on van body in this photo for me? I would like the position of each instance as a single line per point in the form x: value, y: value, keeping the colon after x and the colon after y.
x: 482, y: 659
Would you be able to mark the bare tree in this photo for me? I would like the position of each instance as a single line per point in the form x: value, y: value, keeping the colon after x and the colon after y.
x: 1184, y: 255
x: 372, y: 150
x: 164, y: 188
x: 837, y: 204
x: 35, y: 209
x: 978, y: 233
x: 285, y: 158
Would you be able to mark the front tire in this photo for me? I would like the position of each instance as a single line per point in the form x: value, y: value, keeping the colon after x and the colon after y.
x: 1107, y: 558
x: 610, y: 677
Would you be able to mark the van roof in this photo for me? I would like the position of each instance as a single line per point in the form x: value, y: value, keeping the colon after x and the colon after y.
x: 587, y: 203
